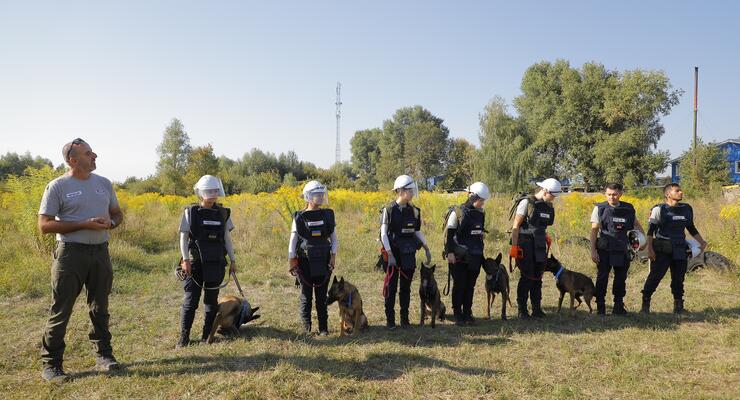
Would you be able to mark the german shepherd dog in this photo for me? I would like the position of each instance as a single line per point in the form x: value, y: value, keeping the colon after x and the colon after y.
x: 497, y: 281
x: 431, y: 303
x: 575, y: 283
x: 350, y: 306
x: 233, y: 312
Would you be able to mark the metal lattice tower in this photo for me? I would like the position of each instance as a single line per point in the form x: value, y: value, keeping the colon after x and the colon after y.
x: 339, y: 116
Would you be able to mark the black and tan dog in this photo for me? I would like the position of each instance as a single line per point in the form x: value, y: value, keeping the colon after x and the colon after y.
x: 233, y: 312
x: 574, y: 283
x: 431, y: 303
x: 350, y: 306
x: 497, y: 281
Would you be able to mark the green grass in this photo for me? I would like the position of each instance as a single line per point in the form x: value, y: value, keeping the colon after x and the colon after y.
x: 581, y: 356
x: 563, y: 356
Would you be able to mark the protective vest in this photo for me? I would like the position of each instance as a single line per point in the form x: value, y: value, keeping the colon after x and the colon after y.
x: 403, y: 222
x: 469, y: 236
x: 314, y: 228
x: 534, y: 227
x: 206, y: 242
x: 615, y: 223
x: 672, y: 226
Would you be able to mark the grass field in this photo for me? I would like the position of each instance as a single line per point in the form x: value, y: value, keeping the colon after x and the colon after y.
x: 562, y: 356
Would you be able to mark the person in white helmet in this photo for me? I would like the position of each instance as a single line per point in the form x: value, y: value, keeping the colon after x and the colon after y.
x: 530, y: 243
x: 205, y: 240
x: 611, y: 220
x: 401, y: 236
x: 312, y: 252
x: 464, y: 231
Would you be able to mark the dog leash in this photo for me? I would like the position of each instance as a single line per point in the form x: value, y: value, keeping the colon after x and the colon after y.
x: 296, y: 272
x: 238, y: 286
x: 389, y: 275
x: 446, y: 289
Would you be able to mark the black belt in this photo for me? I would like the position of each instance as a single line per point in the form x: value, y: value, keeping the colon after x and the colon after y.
x: 83, y: 245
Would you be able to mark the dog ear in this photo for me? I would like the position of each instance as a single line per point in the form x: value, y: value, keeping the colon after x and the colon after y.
x: 434, y: 266
x: 335, y: 279
x: 341, y: 281
x: 498, y: 258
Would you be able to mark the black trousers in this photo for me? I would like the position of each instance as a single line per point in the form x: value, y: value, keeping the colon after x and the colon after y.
x: 404, y: 294
x: 463, y: 289
x: 619, y: 286
x: 529, y: 289
x: 314, y: 290
x: 192, y: 286
x: 663, y: 262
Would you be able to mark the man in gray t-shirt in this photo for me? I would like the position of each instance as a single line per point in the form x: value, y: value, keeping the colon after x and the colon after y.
x: 79, y: 207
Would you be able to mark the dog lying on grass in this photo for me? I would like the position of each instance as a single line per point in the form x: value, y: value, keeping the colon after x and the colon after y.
x: 431, y: 303
x: 497, y: 281
x: 353, y: 319
x: 574, y: 283
x: 233, y: 312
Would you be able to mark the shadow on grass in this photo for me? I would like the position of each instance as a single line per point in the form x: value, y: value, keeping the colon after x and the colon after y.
x: 377, y: 366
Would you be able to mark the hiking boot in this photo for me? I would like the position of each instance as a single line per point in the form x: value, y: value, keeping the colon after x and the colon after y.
x: 524, y: 314
x: 184, y: 340
x: 538, y: 313
x: 54, y: 374
x: 323, y: 332
x: 678, y: 307
x: 106, y: 363
x: 619, y: 308
x: 645, y: 306
x: 470, y: 320
x: 405, y: 322
x: 601, y: 308
x: 306, y: 328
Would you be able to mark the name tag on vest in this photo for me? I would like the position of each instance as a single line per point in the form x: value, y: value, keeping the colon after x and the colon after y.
x: 73, y: 194
x: 617, y: 219
x: 476, y: 232
x: 679, y: 218
x: 207, y: 222
x: 315, y: 223
x: 543, y: 215
x: 407, y: 230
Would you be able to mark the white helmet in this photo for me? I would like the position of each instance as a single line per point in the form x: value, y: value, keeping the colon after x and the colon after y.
x: 406, y: 182
x: 637, y: 240
x: 694, y: 248
x: 479, y: 189
x: 209, y: 187
x: 315, y: 192
x: 552, y: 186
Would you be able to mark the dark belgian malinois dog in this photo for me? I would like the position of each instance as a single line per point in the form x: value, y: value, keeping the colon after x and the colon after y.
x: 575, y: 283
x: 431, y: 303
x: 350, y: 306
x: 233, y: 312
x: 497, y: 281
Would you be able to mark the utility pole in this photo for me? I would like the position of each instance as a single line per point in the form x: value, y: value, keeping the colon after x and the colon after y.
x: 696, y: 97
x: 339, y: 116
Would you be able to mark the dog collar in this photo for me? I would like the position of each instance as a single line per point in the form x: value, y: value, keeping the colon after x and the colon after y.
x: 560, y: 271
x: 349, y: 300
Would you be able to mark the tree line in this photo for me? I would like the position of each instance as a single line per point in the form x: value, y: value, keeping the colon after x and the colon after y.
x: 590, y: 125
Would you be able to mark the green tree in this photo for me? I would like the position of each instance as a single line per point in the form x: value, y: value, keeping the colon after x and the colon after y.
x: 202, y: 161
x: 505, y: 160
x: 459, y: 168
x: 710, y: 171
x: 426, y: 138
x: 174, y: 152
x: 594, y: 122
x: 14, y: 164
x: 365, y: 145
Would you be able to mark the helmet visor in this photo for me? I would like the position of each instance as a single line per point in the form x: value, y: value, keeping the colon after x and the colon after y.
x: 318, y: 197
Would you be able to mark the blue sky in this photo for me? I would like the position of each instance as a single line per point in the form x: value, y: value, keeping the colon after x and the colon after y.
x: 263, y: 74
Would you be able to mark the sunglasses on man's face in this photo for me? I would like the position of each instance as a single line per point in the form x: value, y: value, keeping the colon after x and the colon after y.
x: 78, y: 142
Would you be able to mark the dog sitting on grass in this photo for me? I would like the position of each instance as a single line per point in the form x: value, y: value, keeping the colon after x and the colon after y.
x: 574, y: 283
x: 497, y: 281
x: 353, y: 319
x: 431, y: 303
x: 233, y: 312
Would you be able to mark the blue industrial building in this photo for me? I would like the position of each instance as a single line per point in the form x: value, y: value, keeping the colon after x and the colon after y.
x: 732, y: 151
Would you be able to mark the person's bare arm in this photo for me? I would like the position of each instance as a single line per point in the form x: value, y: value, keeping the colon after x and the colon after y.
x: 47, y: 224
